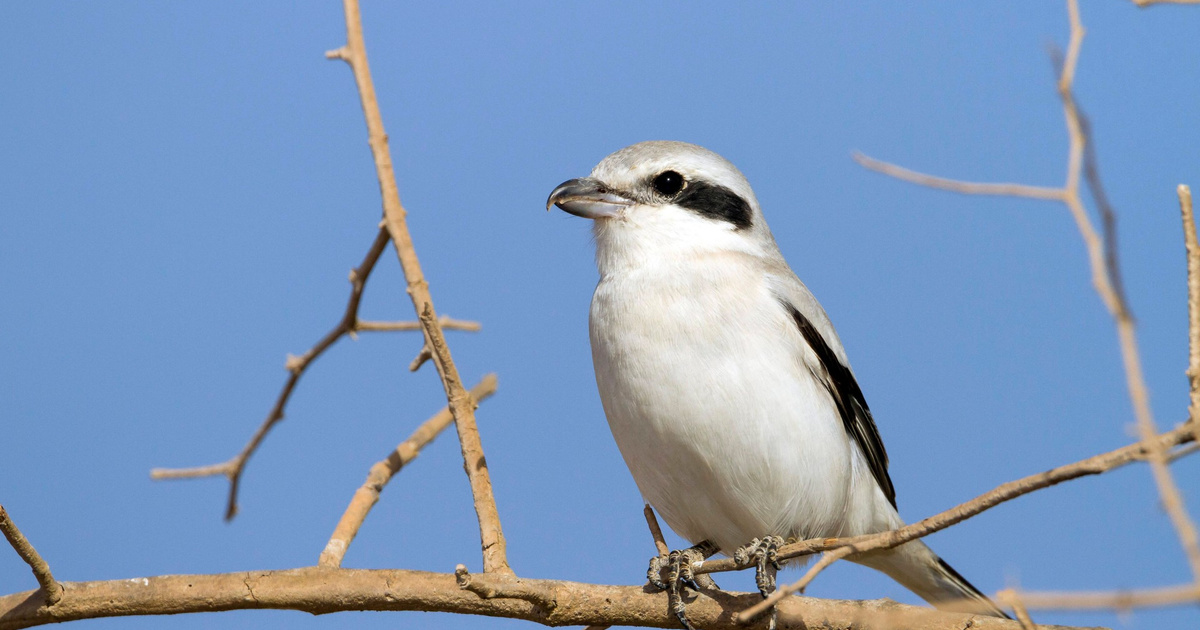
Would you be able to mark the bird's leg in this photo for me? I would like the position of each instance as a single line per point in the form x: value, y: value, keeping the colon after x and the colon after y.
x: 679, y: 573
x: 764, y: 553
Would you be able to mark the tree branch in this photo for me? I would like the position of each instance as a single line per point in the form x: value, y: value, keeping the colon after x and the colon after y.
x: 1095, y: 465
x: 1146, y: 3
x: 549, y: 602
x: 50, y: 589
x: 1192, y: 248
x: 955, y: 185
x: 1112, y: 600
x: 296, y: 366
x: 660, y: 544
x: 446, y: 322
x: 1105, y: 278
x: 382, y: 472
x: 354, y: 53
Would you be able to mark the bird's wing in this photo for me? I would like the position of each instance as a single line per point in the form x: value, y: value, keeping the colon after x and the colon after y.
x: 833, y: 371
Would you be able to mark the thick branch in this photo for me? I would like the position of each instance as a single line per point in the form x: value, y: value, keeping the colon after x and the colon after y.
x: 382, y: 472
x: 319, y: 591
x: 354, y: 53
x: 50, y: 589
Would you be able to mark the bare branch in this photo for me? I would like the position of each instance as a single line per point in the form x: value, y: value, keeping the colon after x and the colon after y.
x: 423, y: 355
x: 233, y: 468
x: 660, y: 543
x: 1192, y: 247
x: 954, y: 185
x: 51, y: 590
x: 1108, y: 215
x: 383, y: 471
x: 1106, y: 280
x: 1147, y: 3
x: 1112, y: 600
x: 491, y: 534
x: 446, y: 322
x: 550, y: 602
x: 1094, y: 465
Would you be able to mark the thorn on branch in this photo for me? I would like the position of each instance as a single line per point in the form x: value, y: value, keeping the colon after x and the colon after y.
x: 424, y: 355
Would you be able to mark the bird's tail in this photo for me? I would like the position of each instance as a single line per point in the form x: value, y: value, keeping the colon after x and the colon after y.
x: 921, y: 571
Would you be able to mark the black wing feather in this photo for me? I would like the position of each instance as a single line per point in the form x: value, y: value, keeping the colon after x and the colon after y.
x: 844, y: 390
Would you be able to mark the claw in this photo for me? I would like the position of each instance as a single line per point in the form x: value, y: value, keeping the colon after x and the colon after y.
x: 654, y: 572
x: 679, y: 572
x: 764, y: 553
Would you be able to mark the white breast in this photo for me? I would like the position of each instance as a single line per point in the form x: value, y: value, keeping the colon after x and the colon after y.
x: 701, y: 374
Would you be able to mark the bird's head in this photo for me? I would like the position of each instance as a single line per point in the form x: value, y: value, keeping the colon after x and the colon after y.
x: 672, y: 197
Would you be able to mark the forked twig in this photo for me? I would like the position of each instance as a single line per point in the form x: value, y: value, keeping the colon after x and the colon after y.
x: 232, y: 469
x: 354, y: 53
x: 296, y: 365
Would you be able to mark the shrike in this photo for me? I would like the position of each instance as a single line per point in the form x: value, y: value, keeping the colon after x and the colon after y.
x: 725, y: 385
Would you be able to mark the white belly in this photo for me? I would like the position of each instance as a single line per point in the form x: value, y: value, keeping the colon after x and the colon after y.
x: 724, y: 430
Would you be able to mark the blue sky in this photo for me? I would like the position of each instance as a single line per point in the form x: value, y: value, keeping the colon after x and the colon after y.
x: 185, y: 187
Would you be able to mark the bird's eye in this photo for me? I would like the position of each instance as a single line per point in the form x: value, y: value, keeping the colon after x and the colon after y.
x: 668, y: 183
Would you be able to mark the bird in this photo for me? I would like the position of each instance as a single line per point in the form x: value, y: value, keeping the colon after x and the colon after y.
x: 725, y: 385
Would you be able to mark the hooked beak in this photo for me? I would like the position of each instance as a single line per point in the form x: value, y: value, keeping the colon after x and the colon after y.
x: 589, y: 198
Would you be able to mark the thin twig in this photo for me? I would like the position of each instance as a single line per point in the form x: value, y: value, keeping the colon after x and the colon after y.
x: 1192, y: 248
x: 1108, y: 215
x: 967, y: 188
x: 1147, y: 3
x: 1112, y: 600
x: 354, y: 53
x: 660, y: 543
x: 447, y: 323
x: 1179, y: 454
x: 51, y: 589
x: 383, y: 471
x: 232, y: 469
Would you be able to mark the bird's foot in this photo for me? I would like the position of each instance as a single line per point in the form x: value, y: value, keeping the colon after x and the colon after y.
x: 764, y: 554
x: 673, y: 571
